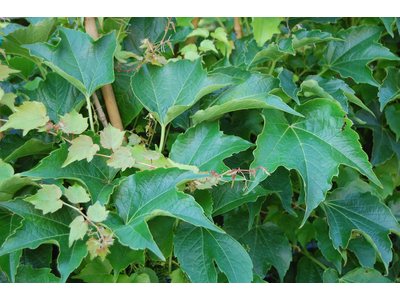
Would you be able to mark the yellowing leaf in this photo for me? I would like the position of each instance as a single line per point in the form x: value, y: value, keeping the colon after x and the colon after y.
x: 81, y: 148
x: 28, y: 116
x: 122, y: 158
x: 73, y: 123
x: 5, y: 71
x: 79, y: 226
x: 111, y: 137
x: 265, y: 28
x: 134, y: 139
x: 77, y: 194
x: 47, y: 199
x: 97, y: 213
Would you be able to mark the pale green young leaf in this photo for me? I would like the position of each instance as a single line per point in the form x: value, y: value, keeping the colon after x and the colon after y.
x: 220, y: 35
x: 28, y: 116
x: 6, y: 171
x: 8, y: 99
x: 197, y: 248
x: 207, y: 45
x: 199, y: 32
x: 292, y: 144
x: 351, y: 56
x: 79, y: 226
x: 121, y: 159
x: 73, y: 123
x: 97, y: 213
x: 264, y: 28
x: 82, y: 147
x: 390, y: 88
x: 47, y: 199
x: 363, y: 213
x: 90, y: 63
x: 5, y: 71
x: 191, y: 55
x: 77, y: 194
x: 134, y: 139
x: 188, y: 48
x: 111, y: 137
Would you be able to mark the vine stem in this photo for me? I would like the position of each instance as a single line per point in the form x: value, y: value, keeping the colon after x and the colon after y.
x: 306, y: 253
x: 220, y: 23
x: 84, y: 216
x: 42, y: 71
x: 271, y: 70
x: 246, y: 24
x: 89, y: 108
x: 162, y: 140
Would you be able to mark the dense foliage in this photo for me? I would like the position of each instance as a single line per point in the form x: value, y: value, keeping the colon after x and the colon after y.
x: 199, y: 150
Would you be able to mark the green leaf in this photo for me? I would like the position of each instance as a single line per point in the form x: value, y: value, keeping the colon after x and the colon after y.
x: 23, y: 147
x: 34, y: 33
x: 52, y: 228
x: 280, y: 183
x: 111, y: 137
x: 330, y: 276
x: 96, y: 175
x: 351, y: 56
x: 97, y: 213
x: 266, y: 244
x: 197, y: 248
x: 312, y: 145
x: 26, y: 274
x: 85, y: 63
x: 79, y: 226
x: 388, y: 22
x: 97, y: 271
x: 162, y: 230
x: 77, y: 194
x: 122, y: 256
x: 28, y: 116
x: 253, y: 92
x: 203, y: 197
x: 329, y: 88
x: 204, y: 146
x: 166, y: 95
x: 82, y: 147
x: 384, y: 142
x: 9, y: 264
x: 349, y: 210
x: 141, y: 28
x: 273, y: 52
x: 392, y: 114
x: 390, y: 88
x: 304, y: 37
x: 25, y: 65
x: 265, y: 28
x: 308, y: 271
x: 47, y: 199
x: 364, y: 275
x: 129, y: 106
x: 288, y: 86
x: 73, y: 123
x: 364, y: 251
x: 178, y: 276
x: 137, y: 201
x: 325, y: 243
x: 228, y: 196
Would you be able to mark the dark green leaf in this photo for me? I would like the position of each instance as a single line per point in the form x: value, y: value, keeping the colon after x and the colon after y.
x: 390, y: 88
x: 197, y: 248
x: 28, y: 275
x: 364, y: 251
x: 96, y: 271
x: 288, y: 86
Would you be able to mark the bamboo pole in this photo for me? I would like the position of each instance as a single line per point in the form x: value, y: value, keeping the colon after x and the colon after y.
x: 99, y: 110
x: 192, y: 39
x: 238, y: 28
x: 108, y: 93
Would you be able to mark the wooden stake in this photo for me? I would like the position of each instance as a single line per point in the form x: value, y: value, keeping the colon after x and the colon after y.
x: 192, y: 39
x: 238, y: 28
x: 108, y: 93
